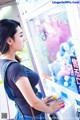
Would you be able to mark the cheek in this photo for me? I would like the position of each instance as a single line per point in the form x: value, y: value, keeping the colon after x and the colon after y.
x: 20, y: 41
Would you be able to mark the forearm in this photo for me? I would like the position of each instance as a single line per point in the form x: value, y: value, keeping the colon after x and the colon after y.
x: 51, y: 107
x: 30, y: 97
x: 41, y: 106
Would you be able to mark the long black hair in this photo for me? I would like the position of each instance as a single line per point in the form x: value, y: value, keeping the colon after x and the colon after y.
x: 7, y: 29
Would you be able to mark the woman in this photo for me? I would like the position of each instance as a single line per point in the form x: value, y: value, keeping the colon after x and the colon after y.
x: 22, y: 80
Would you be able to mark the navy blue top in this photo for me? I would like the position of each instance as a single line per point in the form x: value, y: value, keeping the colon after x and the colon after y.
x: 14, y: 72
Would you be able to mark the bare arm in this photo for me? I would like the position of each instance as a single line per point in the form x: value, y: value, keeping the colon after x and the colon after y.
x: 24, y: 86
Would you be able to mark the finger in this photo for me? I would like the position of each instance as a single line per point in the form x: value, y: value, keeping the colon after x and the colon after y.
x: 50, y: 96
x: 61, y: 104
x: 59, y: 101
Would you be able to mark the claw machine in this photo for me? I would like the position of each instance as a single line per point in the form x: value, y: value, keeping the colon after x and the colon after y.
x: 53, y: 33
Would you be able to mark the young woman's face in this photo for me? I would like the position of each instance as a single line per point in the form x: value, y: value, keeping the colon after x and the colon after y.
x: 18, y: 42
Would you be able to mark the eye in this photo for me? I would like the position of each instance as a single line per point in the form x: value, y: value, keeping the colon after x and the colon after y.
x: 21, y: 35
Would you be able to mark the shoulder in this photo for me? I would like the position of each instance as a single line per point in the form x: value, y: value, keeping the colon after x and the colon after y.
x: 16, y: 67
x: 15, y: 71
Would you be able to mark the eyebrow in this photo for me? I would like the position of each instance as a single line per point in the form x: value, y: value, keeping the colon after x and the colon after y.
x: 21, y: 33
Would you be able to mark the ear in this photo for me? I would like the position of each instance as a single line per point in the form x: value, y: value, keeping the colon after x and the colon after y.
x: 9, y: 40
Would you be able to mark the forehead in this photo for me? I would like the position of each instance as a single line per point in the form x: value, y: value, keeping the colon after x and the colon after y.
x: 19, y: 30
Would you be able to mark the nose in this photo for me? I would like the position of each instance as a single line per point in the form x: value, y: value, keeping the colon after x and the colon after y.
x: 24, y: 40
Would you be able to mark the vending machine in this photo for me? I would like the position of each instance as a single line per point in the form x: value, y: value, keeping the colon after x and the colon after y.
x: 53, y: 34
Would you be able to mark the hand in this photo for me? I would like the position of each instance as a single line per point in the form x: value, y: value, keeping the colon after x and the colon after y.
x: 48, y: 99
x: 56, y: 105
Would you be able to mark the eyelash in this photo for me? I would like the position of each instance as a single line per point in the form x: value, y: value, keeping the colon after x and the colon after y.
x: 21, y: 35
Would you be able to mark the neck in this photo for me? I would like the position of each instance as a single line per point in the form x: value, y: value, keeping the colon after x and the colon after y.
x: 7, y: 56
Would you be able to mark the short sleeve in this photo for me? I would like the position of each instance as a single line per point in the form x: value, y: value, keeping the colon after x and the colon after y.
x: 15, y: 71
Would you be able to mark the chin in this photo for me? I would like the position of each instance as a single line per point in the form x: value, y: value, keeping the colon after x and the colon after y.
x: 20, y: 50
